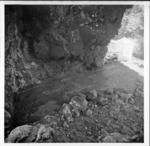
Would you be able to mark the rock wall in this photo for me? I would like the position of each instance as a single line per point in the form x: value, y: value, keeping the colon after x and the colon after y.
x: 38, y: 35
x: 60, y: 31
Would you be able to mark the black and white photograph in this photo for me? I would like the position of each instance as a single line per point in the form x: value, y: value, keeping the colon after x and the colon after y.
x: 75, y: 72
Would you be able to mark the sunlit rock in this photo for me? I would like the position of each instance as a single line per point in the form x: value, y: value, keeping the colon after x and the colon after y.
x: 19, y: 133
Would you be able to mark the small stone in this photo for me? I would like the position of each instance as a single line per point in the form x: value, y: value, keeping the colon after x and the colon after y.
x: 7, y: 106
x: 92, y: 95
x: 109, y: 91
x: 131, y: 100
x: 51, y: 120
x: 65, y: 125
x: 89, y: 112
x: 44, y: 132
x: 127, y: 130
x: 104, y: 132
x: 79, y: 103
x: 108, y: 139
x: 86, y: 128
x: 135, y: 128
x: 121, y: 94
x: 114, y: 98
x: 103, y: 101
x: 66, y: 111
x: 46, y: 92
x: 34, y: 64
x: 99, y: 138
x: 95, y: 105
x: 124, y: 139
x: 124, y: 97
x: 108, y: 123
x: 136, y: 108
x: 89, y: 133
x: 139, y: 92
x: 119, y: 102
x: 100, y: 93
x: 118, y: 137
x: 133, y: 138
x: 76, y: 112
x: 7, y: 117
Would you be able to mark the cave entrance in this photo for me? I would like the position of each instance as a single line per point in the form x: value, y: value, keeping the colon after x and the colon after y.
x: 127, y: 47
x: 63, y: 66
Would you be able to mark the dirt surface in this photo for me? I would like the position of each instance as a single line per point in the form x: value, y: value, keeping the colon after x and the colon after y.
x: 109, y: 115
x: 46, y: 98
x: 104, y: 105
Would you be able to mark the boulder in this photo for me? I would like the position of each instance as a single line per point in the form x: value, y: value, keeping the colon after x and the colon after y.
x: 33, y: 135
x: 20, y: 133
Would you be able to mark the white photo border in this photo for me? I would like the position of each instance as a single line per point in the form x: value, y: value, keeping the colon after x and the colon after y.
x: 146, y: 62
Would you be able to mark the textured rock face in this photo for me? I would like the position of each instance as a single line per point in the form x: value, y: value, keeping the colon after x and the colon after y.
x: 61, y: 31
x: 83, y: 34
x: 38, y: 35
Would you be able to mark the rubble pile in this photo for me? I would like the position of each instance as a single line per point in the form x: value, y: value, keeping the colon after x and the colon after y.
x: 109, y: 115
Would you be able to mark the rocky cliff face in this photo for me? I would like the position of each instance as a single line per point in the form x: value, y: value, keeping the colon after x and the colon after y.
x: 39, y: 38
